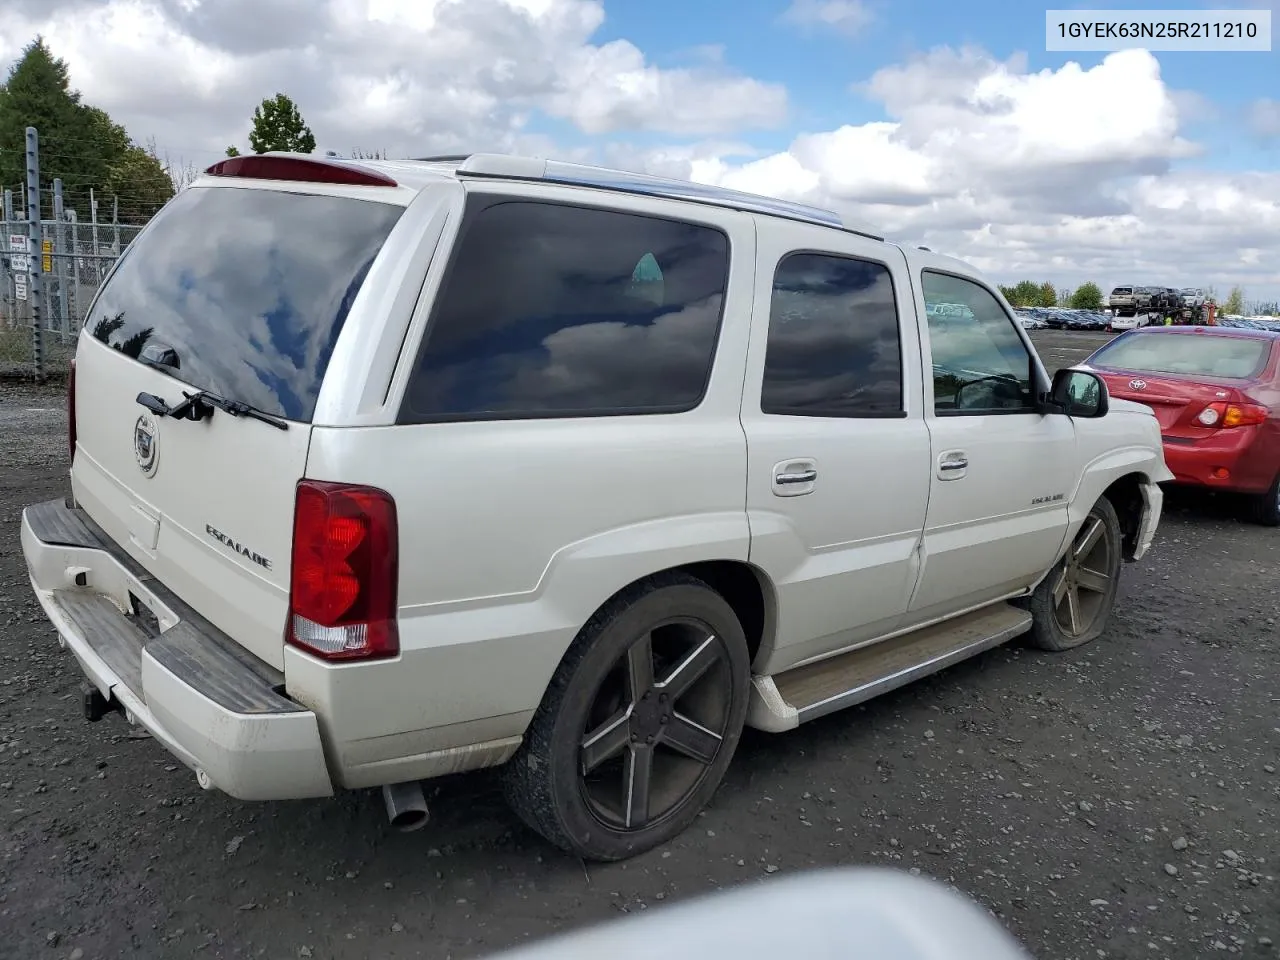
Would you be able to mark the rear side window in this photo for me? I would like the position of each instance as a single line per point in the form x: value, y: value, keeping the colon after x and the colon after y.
x: 1231, y: 358
x: 244, y: 291
x: 552, y: 310
x: 834, y: 347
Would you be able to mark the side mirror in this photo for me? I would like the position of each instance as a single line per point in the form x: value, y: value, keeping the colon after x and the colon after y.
x: 1079, y: 393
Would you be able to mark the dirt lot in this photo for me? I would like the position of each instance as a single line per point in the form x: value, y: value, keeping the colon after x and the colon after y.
x: 1120, y: 801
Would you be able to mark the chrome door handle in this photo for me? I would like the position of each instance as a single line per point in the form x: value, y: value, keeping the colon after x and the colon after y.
x: 805, y: 476
x: 953, y: 465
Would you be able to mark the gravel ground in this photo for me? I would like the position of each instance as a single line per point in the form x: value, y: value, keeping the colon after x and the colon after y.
x: 1117, y: 801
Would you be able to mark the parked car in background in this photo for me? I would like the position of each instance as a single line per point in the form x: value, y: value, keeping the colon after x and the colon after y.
x: 1142, y: 298
x: 1122, y: 301
x: 1165, y: 301
x: 1192, y: 297
x: 1216, y: 393
x: 498, y: 461
x: 1131, y: 322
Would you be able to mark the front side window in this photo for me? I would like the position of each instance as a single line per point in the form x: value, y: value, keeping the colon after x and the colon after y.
x: 552, y: 310
x: 834, y: 348
x: 980, y: 364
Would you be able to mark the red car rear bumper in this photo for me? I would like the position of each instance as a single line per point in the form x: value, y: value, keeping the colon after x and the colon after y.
x: 1228, y: 460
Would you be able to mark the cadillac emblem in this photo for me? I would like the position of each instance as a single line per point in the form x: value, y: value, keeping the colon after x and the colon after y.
x: 145, y: 444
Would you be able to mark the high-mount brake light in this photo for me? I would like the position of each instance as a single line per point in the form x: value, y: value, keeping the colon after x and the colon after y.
x: 301, y: 169
x: 343, y: 582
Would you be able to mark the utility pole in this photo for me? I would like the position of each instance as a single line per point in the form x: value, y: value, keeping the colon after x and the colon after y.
x: 33, y: 244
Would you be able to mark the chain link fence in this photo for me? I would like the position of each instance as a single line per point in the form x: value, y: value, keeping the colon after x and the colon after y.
x: 71, y: 260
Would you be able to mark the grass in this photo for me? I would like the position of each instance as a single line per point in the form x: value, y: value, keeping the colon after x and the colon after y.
x: 15, y: 354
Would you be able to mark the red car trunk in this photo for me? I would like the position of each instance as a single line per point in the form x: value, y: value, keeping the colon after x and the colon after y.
x: 1216, y: 395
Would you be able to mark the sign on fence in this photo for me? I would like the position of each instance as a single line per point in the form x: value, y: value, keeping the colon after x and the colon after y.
x: 20, y: 286
x: 46, y: 258
x: 18, y: 243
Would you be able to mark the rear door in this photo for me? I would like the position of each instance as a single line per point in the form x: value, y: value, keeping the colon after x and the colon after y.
x: 242, y: 292
x: 837, y: 450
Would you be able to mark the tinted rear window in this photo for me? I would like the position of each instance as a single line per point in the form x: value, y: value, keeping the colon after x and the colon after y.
x: 1231, y: 358
x: 249, y: 289
x: 550, y: 310
x: 1122, y: 290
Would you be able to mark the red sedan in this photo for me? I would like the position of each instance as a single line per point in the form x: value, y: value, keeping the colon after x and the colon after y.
x: 1216, y: 393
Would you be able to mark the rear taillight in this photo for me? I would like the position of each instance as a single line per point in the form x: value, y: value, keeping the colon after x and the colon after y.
x: 71, y: 409
x: 342, y: 586
x: 1228, y: 415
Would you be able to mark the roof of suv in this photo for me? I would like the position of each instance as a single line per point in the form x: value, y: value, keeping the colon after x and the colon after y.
x: 421, y: 173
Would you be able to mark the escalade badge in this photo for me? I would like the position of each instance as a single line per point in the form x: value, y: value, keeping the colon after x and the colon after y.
x: 146, y: 448
x: 1137, y: 384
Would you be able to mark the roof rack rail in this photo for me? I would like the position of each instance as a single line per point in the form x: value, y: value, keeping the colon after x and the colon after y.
x: 508, y: 167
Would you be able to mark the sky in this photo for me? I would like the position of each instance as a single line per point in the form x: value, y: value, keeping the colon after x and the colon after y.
x: 942, y: 124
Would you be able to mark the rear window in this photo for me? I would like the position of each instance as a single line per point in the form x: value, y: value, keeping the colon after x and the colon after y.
x: 1122, y: 290
x: 1230, y: 358
x: 244, y: 291
x: 550, y: 310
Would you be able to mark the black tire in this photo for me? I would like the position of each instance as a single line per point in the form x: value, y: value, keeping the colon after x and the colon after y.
x: 596, y: 697
x: 1090, y: 574
x: 1264, y: 508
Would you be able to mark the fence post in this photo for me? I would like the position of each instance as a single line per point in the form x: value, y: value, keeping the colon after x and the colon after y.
x: 59, y: 261
x: 10, y: 294
x: 33, y: 234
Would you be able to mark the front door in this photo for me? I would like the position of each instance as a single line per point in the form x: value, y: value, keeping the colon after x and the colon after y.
x: 1000, y: 472
x: 837, y: 450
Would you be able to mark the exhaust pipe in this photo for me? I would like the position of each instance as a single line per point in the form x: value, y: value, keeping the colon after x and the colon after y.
x: 406, y: 806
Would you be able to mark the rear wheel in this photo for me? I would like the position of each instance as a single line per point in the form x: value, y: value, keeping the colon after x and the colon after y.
x: 638, y: 724
x: 1264, y: 508
x: 1073, y: 603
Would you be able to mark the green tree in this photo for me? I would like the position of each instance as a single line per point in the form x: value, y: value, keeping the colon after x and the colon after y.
x: 1048, y: 295
x: 233, y: 151
x: 1234, y: 302
x: 141, y: 181
x: 1026, y: 294
x: 77, y: 143
x: 1087, y: 296
x: 278, y: 125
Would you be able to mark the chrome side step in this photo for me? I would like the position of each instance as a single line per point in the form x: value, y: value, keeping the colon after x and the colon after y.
x: 788, y: 699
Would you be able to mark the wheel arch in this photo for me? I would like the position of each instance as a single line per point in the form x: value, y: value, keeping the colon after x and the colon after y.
x: 744, y: 586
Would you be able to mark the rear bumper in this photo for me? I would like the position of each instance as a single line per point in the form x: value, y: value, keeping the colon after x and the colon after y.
x: 211, y: 704
x: 1199, y: 463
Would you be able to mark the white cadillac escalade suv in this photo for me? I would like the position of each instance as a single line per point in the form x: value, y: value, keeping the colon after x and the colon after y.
x: 388, y: 470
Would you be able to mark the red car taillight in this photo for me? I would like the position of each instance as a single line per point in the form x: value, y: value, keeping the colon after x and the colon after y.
x: 1228, y: 415
x: 71, y: 409
x: 342, y: 585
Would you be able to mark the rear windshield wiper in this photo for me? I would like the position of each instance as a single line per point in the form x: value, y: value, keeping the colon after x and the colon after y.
x: 201, y: 404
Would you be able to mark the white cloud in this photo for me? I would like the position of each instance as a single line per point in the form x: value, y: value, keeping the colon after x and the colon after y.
x: 1264, y: 117
x: 1067, y: 174
x: 849, y: 17
x: 410, y: 76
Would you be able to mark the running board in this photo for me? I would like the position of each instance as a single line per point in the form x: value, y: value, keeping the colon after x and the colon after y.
x: 785, y: 701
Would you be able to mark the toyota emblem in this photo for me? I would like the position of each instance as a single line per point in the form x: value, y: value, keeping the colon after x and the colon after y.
x: 145, y: 448
x: 1137, y: 384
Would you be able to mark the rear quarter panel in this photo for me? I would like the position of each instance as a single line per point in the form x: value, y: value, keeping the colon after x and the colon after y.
x: 513, y: 533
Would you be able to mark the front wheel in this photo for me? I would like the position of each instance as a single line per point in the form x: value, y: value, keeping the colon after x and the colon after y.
x: 639, y: 723
x: 1072, y: 605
